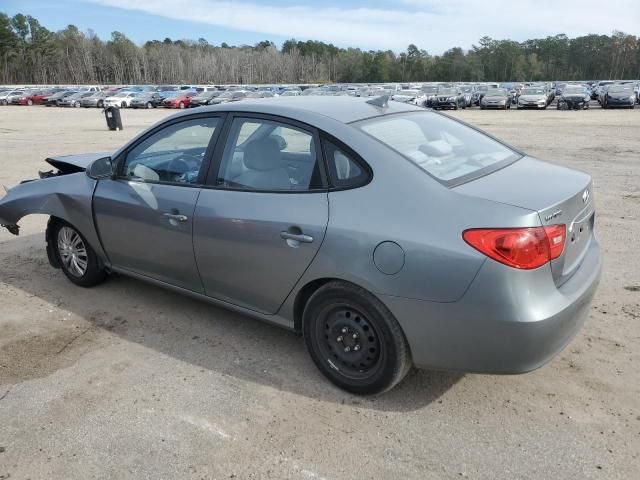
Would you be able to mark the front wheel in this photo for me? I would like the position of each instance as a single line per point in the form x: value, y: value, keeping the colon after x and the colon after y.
x: 354, y: 339
x: 100, y: 104
x: 29, y: 102
x: 77, y: 259
x: 123, y: 105
x: 149, y: 105
x: 181, y: 106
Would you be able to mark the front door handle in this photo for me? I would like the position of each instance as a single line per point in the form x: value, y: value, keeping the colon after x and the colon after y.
x: 176, y: 217
x: 298, y: 237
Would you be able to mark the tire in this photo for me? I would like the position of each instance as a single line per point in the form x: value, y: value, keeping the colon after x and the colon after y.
x: 123, y: 105
x: 29, y: 102
x: 181, y: 105
x: 455, y: 106
x: 148, y: 105
x: 76, y: 104
x: 100, y: 104
x: 354, y: 340
x: 75, y: 256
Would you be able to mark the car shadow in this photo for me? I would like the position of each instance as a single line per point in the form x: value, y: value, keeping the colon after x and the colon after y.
x: 199, y: 333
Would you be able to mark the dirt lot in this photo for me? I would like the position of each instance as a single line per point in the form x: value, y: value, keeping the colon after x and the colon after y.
x: 130, y: 381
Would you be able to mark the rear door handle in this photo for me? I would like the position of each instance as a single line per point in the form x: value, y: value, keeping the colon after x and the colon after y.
x: 176, y: 217
x: 298, y: 237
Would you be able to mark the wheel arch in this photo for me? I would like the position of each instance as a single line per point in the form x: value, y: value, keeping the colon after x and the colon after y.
x: 67, y: 198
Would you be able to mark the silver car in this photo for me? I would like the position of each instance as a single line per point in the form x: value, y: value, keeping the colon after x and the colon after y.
x: 388, y: 235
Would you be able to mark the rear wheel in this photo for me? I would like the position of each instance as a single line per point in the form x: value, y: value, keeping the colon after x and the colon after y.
x: 354, y: 339
x: 181, y: 105
x: 77, y: 259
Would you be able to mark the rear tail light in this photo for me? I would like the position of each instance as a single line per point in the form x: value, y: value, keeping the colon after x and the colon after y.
x: 523, y: 248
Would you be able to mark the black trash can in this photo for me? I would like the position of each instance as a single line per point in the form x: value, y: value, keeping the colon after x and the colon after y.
x: 114, y: 120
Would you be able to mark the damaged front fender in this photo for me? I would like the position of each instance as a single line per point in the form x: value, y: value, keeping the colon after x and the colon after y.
x: 67, y: 197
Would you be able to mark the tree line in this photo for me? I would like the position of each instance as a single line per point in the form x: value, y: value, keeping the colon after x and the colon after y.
x: 32, y: 54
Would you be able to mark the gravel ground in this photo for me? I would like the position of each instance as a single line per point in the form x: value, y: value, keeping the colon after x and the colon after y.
x: 130, y: 381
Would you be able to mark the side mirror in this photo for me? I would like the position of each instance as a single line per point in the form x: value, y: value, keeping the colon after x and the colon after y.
x: 282, y: 143
x: 101, y: 168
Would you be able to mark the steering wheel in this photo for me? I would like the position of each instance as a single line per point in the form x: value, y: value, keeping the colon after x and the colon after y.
x: 182, y: 164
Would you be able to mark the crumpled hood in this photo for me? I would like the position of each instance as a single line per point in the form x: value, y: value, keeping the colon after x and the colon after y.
x: 75, y: 163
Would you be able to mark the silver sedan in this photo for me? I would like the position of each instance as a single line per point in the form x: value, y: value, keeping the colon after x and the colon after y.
x: 390, y: 236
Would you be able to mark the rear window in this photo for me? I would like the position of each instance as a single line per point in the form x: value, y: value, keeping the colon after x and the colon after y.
x: 448, y: 150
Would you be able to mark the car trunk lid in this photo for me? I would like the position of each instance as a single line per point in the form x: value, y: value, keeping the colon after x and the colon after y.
x: 559, y: 195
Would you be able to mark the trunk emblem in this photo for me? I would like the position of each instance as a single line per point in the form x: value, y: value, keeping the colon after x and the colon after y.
x: 585, y: 196
x: 553, y: 215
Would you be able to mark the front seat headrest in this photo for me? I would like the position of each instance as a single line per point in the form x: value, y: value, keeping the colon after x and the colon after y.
x: 263, y: 155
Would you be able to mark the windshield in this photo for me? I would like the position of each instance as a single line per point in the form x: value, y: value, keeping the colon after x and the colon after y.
x: 496, y: 92
x: 533, y: 91
x: 226, y: 95
x: 444, y: 148
x: 620, y: 89
x: 573, y: 90
x: 429, y: 89
x: 446, y: 91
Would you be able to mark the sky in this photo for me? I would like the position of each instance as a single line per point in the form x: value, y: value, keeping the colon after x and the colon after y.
x: 433, y: 25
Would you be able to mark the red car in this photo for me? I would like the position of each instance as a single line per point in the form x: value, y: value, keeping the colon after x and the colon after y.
x: 34, y: 97
x: 181, y: 100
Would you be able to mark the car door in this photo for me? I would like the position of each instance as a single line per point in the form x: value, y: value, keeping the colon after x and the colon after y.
x: 263, y: 218
x: 145, y: 214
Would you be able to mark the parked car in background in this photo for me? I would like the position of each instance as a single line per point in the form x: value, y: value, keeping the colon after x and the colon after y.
x: 291, y: 93
x: 74, y: 100
x: 498, y: 98
x: 204, y: 98
x: 53, y: 100
x: 147, y: 99
x: 12, y: 96
x: 496, y: 277
x: 448, y: 97
x: 95, y: 100
x: 181, y: 100
x: 468, y: 92
x: 120, y: 99
x: 595, y: 93
x: 533, y: 97
x: 618, y: 95
x: 406, y: 96
x: 227, y: 97
x: 260, y: 94
x: 31, y: 97
x: 574, y: 97
x: 426, y: 96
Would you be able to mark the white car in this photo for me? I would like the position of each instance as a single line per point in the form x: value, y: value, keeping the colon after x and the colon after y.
x: 121, y: 99
x: 533, y: 97
x: 7, y: 97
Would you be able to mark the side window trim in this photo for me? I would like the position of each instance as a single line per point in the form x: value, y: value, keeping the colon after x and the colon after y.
x: 206, y: 160
x: 225, y: 137
x: 326, y: 138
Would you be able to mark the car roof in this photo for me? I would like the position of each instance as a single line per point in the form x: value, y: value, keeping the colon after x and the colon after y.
x: 343, y: 109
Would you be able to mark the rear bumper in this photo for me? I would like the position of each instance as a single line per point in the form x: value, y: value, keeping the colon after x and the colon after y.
x: 508, y: 322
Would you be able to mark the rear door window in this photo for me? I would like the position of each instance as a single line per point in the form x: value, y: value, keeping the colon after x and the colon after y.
x: 449, y: 151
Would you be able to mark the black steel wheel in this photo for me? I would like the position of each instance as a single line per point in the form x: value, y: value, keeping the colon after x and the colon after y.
x: 354, y: 340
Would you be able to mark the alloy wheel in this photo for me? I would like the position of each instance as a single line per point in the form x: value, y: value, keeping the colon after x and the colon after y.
x: 73, y: 252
